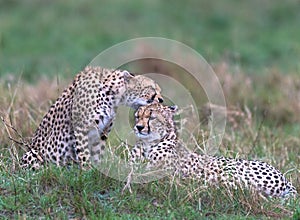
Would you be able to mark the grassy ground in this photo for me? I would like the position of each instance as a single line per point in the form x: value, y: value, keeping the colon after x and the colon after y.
x: 242, y: 40
x: 72, y: 193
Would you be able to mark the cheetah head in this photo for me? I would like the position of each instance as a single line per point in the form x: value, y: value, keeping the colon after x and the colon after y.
x: 154, y: 122
x: 141, y: 90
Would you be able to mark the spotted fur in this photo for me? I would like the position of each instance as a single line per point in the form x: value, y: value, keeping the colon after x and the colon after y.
x: 158, y: 145
x: 77, y: 124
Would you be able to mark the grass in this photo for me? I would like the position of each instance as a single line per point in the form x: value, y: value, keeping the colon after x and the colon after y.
x: 60, y: 37
x: 69, y: 192
x: 254, y: 49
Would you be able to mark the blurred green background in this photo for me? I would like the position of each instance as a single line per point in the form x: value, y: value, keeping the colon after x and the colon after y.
x: 60, y: 37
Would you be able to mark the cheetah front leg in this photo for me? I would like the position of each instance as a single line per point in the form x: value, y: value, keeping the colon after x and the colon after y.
x: 82, y: 149
x: 136, y: 155
x: 89, y: 147
x: 97, y: 141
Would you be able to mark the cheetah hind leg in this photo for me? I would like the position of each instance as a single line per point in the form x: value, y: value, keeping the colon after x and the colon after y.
x: 31, y: 159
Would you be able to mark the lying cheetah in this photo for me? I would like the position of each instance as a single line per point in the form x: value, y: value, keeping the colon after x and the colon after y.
x: 158, y: 144
x: 77, y: 124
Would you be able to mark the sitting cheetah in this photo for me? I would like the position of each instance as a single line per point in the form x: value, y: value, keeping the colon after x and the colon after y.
x: 158, y: 144
x: 77, y: 124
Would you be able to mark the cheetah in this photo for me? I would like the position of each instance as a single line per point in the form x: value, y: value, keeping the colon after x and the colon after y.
x: 77, y: 124
x: 159, y: 146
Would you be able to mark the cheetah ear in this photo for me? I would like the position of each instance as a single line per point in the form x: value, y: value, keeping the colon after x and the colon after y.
x: 127, y: 75
x: 174, y: 108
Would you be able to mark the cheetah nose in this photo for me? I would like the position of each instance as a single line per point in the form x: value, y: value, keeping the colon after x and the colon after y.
x: 160, y: 100
x: 139, y: 127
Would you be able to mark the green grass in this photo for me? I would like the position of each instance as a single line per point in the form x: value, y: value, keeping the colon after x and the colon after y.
x: 70, y: 193
x: 254, y: 48
x: 61, y: 37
